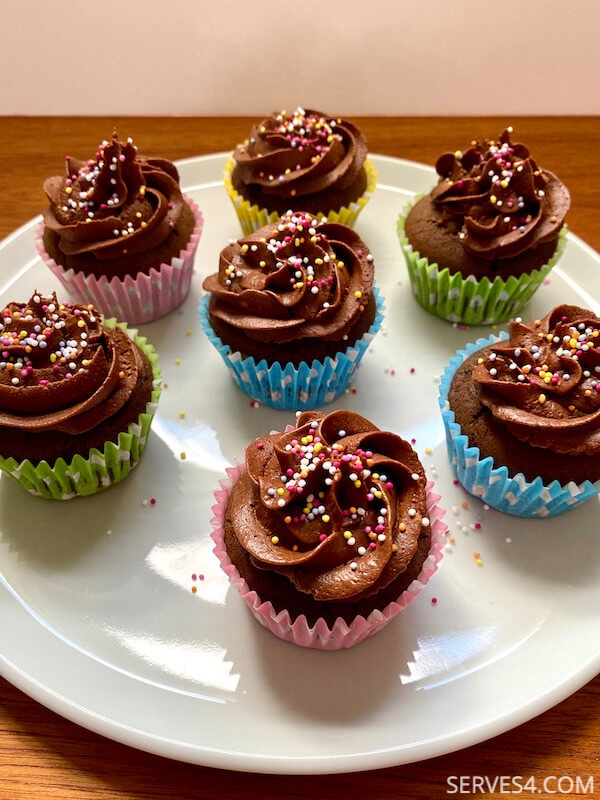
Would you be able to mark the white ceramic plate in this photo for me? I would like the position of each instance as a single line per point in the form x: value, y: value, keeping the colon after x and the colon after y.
x: 98, y: 620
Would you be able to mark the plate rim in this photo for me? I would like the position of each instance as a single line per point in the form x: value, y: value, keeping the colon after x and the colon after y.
x: 220, y: 758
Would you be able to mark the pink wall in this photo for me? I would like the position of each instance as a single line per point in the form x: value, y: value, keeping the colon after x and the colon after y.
x: 340, y: 56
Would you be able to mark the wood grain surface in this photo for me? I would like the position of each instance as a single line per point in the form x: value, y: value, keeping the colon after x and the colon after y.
x: 43, y: 756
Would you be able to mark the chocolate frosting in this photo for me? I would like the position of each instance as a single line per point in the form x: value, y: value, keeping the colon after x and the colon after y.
x: 299, y: 278
x: 114, y: 204
x: 335, y: 504
x: 302, y: 153
x: 60, y: 368
x: 544, y: 383
x: 504, y: 202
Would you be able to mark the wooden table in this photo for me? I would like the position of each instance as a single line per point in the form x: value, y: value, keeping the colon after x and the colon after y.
x: 44, y: 756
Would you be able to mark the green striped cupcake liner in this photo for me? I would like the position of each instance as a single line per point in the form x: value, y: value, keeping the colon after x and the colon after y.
x: 469, y: 301
x: 86, y: 475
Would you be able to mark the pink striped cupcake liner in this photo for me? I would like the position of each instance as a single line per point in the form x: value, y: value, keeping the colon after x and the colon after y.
x: 321, y: 636
x: 143, y: 298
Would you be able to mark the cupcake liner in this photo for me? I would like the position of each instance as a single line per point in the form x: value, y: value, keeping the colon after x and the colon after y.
x: 135, y: 299
x: 467, y: 300
x: 289, y: 387
x: 253, y: 217
x: 513, y: 494
x: 86, y: 475
x: 321, y: 636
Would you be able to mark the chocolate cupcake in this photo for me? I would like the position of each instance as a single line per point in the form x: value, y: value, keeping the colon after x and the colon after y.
x: 77, y: 397
x: 522, y: 414
x: 482, y: 241
x: 119, y: 232
x: 303, y: 161
x: 329, y: 529
x: 292, y: 310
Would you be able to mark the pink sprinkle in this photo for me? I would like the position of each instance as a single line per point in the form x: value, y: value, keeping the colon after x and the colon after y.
x: 152, y: 501
x: 434, y: 600
x: 260, y: 445
x: 372, y: 545
x: 322, y: 537
x: 194, y: 576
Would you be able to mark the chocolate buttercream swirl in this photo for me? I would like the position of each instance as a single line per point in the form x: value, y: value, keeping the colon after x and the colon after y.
x: 118, y: 202
x: 335, y: 504
x: 60, y: 368
x: 505, y: 203
x: 302, y: 153
x: 544, y: 383
x: 299, y: 278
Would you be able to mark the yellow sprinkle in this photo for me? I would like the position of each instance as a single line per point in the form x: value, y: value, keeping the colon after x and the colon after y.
x: 428, y: 451
x: 295, y: 548
x: 357, y: 483
x: 479, y: 562
x: 542, y: 399
x: 480, y: 360
x: 121, y: 375
x: 178, y: 361
x: 68, y: 190
x: 358, y: 295
x: 280, y: 491
x: 275, y: 539
x: 182, y: 415
x: 138, y: 214
x: 347, y: 534
x: 402, y: 527
x: 493, y: 198
x: 325, y: 517
x: 182, y: 455
x: 188, y: 332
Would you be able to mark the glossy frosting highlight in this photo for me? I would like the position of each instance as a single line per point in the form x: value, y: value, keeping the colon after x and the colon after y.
x: 296, y: 279
x: 544, y: 383
x: 60, y: 368
x: 301, y: 153
x: 504, y: 203
x: 335, y: 504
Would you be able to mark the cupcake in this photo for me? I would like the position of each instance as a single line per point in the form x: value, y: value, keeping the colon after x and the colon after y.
x: 77, y: 397
x: 304, y: 161
x: 292, y: 309
x: 328, y: 530
x: 119, y: 233
x: 522, y: 414
x: 482, y: 241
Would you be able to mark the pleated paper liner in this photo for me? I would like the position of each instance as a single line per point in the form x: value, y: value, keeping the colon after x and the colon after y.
x: 252, y: 217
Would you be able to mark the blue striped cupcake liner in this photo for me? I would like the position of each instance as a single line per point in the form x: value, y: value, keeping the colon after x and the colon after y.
x: 512, y: 494
x: 292, y: 387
